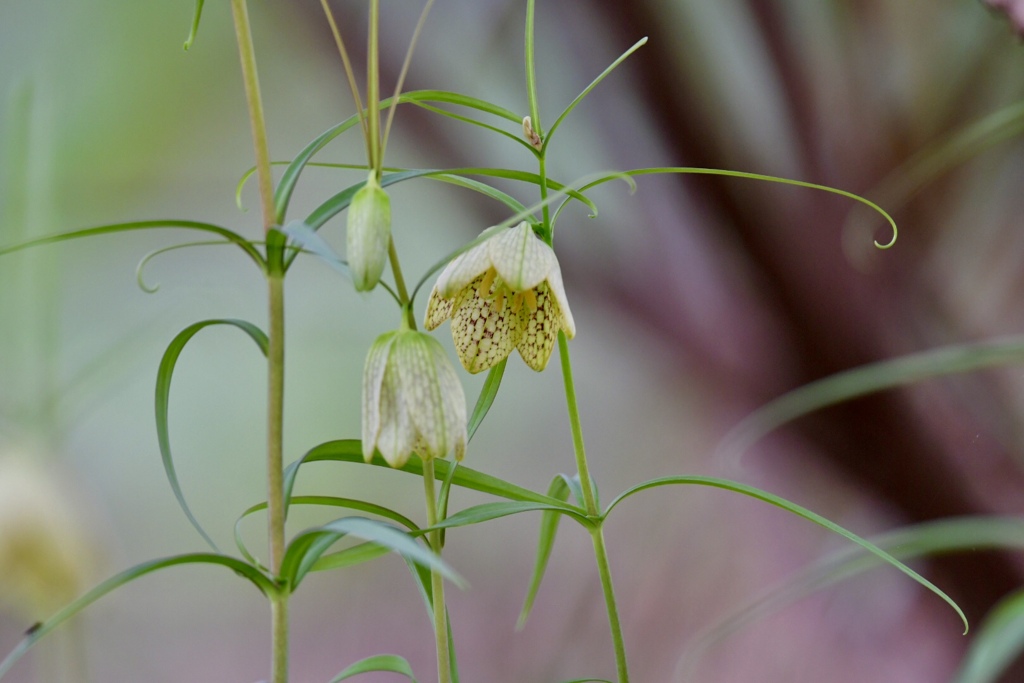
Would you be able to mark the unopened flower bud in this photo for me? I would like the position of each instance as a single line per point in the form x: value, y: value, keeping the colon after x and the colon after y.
x: 369, y: 234
x: 412, y: 400
x: 531, y: 135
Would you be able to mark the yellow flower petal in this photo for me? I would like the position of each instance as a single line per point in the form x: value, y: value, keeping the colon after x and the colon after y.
x: 566, y: 321
x: 483, y: 333
x: 539, y: 329
x: 439, y: 309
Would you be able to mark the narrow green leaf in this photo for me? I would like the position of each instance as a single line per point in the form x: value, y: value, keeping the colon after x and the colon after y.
x: 488, y: 511
x: 798, y: 510
x: 545, y: 542
x: 323, y: 501
x: 34, y: 634
x: 485, y: 400
x: 195, y: 25
x: 350, y: 450
x: 997, y: 645
x: 349, y: 557
x: 162, y: 402
x: 308, y: 239
x: 753, y: 176
x: 232, y: 237
x: 392, y: 663
x: 962, y: 534
x: 475, y: 122
x: 586, y: 91
x: 423, y: 581
x: 283, y: 194
x: 307, y: 547
x: 444, y: 496
x: 868, y: 379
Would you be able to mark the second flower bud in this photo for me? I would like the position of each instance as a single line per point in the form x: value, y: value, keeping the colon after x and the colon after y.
x: 368, y: 234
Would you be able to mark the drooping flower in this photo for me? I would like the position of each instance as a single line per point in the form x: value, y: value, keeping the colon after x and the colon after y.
x: 412, y: 399
x: 505, y: 293
x: 368, y: 234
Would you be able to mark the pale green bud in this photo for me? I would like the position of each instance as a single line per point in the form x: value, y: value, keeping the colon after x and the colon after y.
x: 412, y: 400
x: 369, y: 234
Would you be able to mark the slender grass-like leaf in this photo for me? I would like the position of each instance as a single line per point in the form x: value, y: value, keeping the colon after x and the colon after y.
x: 307, y: 547
x: 349, y: 557
x: 586, y: 91
x: 475, y: 122
x: 232, y: 237
x: 351, y: 451
x: 488, y: 511
x: 751, y: 176
x: 323, y: 501
x: 391, y: 663
x: 283, y: 194
x: 485, y: 400
x: 162, y: 402
x: 38, y: 631
x: 163, y: 250
x: 998, y: 643
x: 868, y: 379
x: 798, y: 510
x: 196, y: 16
x: 545, y: 542
x: 423, y: 581
x: 963, y: 534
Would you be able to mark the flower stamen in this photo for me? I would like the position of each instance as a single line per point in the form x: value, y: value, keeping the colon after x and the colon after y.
x: 484, y: 290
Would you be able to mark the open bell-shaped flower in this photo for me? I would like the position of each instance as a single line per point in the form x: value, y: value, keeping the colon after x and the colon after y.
x: 368, y: 234
x: 412, y: 399
x: 505, y: 293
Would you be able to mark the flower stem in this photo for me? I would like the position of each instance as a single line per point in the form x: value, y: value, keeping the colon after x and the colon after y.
x: 373, y: 87
x: 243, y: 33
x: 590, y: 502
x: 275, y: 349
x: 403, y: 292
x: 436, y: 580
x: 531, y: 70
x: 275, y: 477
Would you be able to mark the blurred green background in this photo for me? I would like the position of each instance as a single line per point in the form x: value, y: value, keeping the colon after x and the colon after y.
x: 696, y: 300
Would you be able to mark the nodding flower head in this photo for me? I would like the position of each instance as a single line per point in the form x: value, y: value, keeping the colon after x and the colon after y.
x: 412, y: 400
x: 505, y: 293
x: 368, y: 234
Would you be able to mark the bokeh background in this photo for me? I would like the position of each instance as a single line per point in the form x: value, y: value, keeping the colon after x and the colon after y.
x: 697, y: 299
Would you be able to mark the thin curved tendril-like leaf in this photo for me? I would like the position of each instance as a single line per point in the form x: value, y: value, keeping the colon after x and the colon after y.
x: 37, y: 632
x: 579, y: 185
x: 230, y: 236
x: 307, y: 547
x: 766, y: 178
x: 351, y: 451
x: 586, y: 91
x: 865, y: 380
x: 969, y: 534
x: 162, y: 402
x: 390, y: 663
x: 998, y: 644
x: 798, y: 510
x: 196, y: 16
x: 163, y: 250
x: 545, y: 542
x: 283, y: 194
x: 488, y: 392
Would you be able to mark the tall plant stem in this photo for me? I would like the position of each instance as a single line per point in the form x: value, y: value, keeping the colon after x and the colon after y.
x: 373, y: 88
x: 275, y: 348
x: 436, y: 580
x: 590, y: 502
x: 275, y: 477
x: 243, y: 33
x: 531, y: 70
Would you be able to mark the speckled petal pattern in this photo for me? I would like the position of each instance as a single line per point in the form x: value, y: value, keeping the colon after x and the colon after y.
x: 397, y: 436
x: 439, y: 309
x: 483, y: 336
x: 373, y: 378
x: 554, y: 281
x: 539, y: 330
x: 421, y: 392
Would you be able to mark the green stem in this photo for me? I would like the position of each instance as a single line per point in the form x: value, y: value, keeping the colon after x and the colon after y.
x: 243, y: 33
x: 590, y: 502
x: 604, y: 570
x: 373, y: 87
x: 275, y: 477
x: 402, y: 290
x: 531, y: 71
x: 436, y: 580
